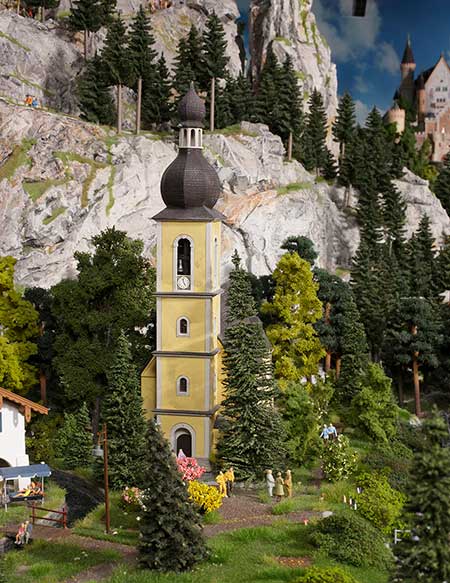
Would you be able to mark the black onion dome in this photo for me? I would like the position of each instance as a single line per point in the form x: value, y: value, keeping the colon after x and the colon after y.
x: 190, y: 181
x: 192, y: 110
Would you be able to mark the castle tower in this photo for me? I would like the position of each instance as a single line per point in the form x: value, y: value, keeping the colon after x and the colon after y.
x: 180, y: 386
x: 421, y: 101
x: 407, y: 68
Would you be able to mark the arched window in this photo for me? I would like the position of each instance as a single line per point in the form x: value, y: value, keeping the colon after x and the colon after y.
x: 183, y: 328
x: 182, y: 386
x: 184, y: 257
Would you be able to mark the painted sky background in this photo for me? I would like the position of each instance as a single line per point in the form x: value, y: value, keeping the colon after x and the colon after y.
x: 367, y: 51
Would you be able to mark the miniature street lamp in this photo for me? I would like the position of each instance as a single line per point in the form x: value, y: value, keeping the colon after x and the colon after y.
x: 98, y: 452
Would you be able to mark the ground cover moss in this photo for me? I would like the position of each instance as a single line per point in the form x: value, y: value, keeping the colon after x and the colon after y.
x: 14, y: 41
x: 294, y: 186
x: 36, y: 189
x: 19, y: 157
x: 55, y: 214
x: 68, y: 157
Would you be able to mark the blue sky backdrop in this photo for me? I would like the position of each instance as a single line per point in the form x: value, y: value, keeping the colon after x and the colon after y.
x: 367, y: 51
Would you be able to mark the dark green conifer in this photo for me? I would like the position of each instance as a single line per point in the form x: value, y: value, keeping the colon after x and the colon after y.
x: 344, y: 126
x: 86, y: 15
x: 424, y: 555
x: 301, y: 245
x: 141, y: 53
x: 224, y: 109
x: 194, y: 47
x: 253, y: 435
x: 421, y: 260
x: 316, y: 133
x: 115, y: 55
x: 267, y: 89
x: 329, y: 170
x: 242, y: 102
x: 94, y: 95
x: 442, y: 184
x: 441, y: 280
x: 108, y: 9
x: 123, y: 415
x: 170, y: 533
x: 156, y: 101
x: 75, y: 439
x: 183, y: 69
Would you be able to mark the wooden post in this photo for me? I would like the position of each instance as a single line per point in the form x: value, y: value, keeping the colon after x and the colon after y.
x: 289, y: 152
x: 18, y: 6
x: 33, y: 513
x: 119, y: 108
x: 139, y: 105
x: 213, y: 104
x: 105, y: 469
x: 415, y: 367
x: 64, y: 517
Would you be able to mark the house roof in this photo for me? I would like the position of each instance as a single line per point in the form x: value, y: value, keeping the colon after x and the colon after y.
x: 27, y: 405
x: 408, y: 56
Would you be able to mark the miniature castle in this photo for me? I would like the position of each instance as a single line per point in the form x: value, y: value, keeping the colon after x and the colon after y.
x: 181, y: 385
x: 429, y: 94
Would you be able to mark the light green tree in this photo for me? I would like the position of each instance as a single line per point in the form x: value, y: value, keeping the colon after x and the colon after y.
x: 293, y: 311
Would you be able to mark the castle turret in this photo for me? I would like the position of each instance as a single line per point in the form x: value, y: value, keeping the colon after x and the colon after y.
x: 407, y: 68
x: 421, y: 100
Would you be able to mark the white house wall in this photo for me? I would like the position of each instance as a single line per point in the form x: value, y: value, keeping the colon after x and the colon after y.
x: 12, y: 438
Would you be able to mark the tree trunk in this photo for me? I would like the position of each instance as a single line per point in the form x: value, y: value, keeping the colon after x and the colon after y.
x: 139, y: 105
x: 338, y: 366
x: 18, y: 6
x: 327, y: 321
x: 290, y: 141
x: 43, y: 386
x: 415, y: 367
x: 328, y: 361
x: 213, y: 104
x: 119, y: 108
x: 42, y: 14
x: 86, y: 40
x: 401, y: 395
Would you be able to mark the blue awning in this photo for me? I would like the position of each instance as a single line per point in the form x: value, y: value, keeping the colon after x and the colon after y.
x: 34, y: 471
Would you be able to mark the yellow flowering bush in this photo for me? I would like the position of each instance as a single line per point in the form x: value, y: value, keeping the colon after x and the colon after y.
x: 207, y: 498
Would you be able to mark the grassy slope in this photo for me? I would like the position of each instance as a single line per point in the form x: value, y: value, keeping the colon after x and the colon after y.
x: 18, y: 512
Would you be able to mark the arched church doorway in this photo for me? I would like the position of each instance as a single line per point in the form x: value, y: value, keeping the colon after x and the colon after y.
x: 183, y: 440
x: 4, y: 463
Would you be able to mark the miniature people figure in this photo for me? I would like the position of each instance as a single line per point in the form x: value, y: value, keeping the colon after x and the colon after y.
x: 20, y: 534
x: 34, y: 102
x: 332, y: 431
x: 181, y: 455
x: 229, y: 476
x: 279, y: 489
x: 288, y: 483
x: 270, y: 482
x: 221, y: 480
x: 324, y: 435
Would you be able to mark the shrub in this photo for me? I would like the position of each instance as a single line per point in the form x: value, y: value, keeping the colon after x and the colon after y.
x: 189, y: 469
x: 394, y: 462
x: 325, y: 575
x: 131, y: 499
x: 379, y: 502
x: 207, y: 498
x: 339, y: 460
x: 349, y: 538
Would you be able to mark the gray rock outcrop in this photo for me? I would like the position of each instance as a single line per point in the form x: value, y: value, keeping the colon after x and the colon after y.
x: 290, y: 26
x: 62, y: 181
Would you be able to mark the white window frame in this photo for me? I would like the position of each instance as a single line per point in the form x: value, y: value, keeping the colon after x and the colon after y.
x: 188, y: 386
x: 179, y: 332
x: 175, y: 262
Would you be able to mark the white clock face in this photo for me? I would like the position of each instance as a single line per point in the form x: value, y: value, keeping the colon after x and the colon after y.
x: 184, y: 282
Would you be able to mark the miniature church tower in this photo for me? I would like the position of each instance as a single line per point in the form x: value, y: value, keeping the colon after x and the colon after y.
x: 181, y: 384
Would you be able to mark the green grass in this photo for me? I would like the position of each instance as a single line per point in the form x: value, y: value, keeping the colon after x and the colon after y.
x: 294, y: 186
x: 14, y: 41
x: 123, y: 522
x: 68, y: 157
x: 19, y: 512
x: 213, y: 517
x: 249, y: 555
x: 36, y: 189
x: 19, y: 157
x: 55, y: 214
x: 283, y: 40
x: 51, y: 562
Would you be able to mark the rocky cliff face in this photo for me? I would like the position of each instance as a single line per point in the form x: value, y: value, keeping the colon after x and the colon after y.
x: 44, y: 59
x: 291, y: 28
x: 62, y: 181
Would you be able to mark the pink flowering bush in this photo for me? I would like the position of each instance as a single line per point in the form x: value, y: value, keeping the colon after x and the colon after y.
x: 189, y: 469
x: 131, y: 498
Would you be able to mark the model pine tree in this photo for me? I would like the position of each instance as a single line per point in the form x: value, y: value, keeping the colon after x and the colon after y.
x: 215, y: 60
x: 170, y: 533
x: 19, y: 330
x: 442, y: 184
x: 242, y: 100
x: 294, y: 310
x: 107, y: 11
x: 329, y: 171
x: 122, y: 413
x: 421, y: 260
x: 183, y: 69
x: 194, y: 46
x: 441, y: 281
x: 301, y: 245
x: 267, y: 89
x: 289, y: 108
x: 314, y: 145
x: 75, y: 439
x: 86, y: 15
x: 425, y: 554
x: 224, y: 108
x: 140, y: 46
x: 156, y: 106
x: 94, y: 95
x: 252, y: 438
x: 345, y: 125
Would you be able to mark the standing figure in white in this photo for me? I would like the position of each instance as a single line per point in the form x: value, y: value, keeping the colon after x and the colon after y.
x: 270, y: 482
